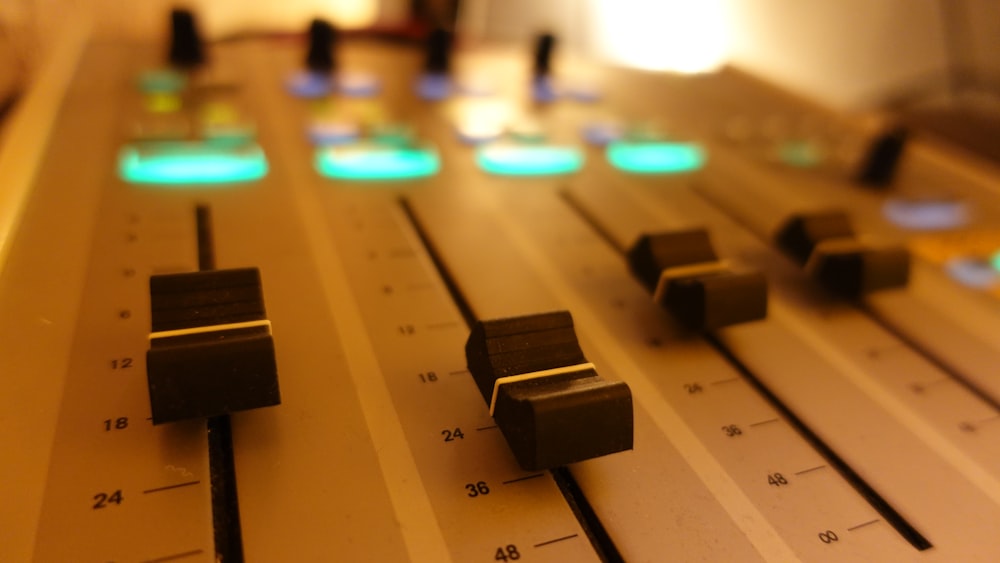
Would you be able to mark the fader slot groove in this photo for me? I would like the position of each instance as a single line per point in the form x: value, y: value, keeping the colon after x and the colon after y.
x: 893, y: 517
x: 222, y: 468
x: 576, y: 500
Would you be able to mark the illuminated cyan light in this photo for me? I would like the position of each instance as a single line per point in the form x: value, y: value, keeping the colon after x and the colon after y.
x: 178, y: 164
x: 529, y: 160
x: 655, y: 157
x: 995, y: 261
x: 377, y: 162
x: 675, y: 35
x: 926, y: 215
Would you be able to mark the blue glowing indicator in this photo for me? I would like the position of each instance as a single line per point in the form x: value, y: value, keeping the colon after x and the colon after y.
x: 529, y: 160
x: 309, y: 84
x: 655, y: 157
x: 434, y: 87
x: 972, y: 272
x: 926, y: 215
x: 544, y: 90
x: 181, y: 163
x: 377, y: 162
x: 601, y: 133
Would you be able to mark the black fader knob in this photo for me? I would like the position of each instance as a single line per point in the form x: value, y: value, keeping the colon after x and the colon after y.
x: 320, y: 57
x: 879, y: 165
x: 211, y: 351
x: 438, y: 51
x: 682, y: 273
x: 545, y: 45
x: 825, y: 244
x: 186, y: 50
x: 548, y: 401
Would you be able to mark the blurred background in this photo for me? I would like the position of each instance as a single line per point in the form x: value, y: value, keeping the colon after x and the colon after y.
x: 847, y: 54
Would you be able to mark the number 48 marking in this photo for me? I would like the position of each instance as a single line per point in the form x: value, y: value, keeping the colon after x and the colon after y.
x: 507, y: 553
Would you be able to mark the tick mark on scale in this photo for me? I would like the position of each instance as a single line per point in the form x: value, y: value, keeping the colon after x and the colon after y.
x: 564, y: 538
x: 168, y: 487
x: 525, y: 478
x: 175, y: 556
x: 722, y: 381
x: 863, y: 524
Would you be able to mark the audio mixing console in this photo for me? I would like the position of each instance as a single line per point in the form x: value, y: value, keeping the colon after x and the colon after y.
x: 398, y: 304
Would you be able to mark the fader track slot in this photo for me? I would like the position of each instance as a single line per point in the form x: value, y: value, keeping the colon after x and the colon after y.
x: 599, y: 538
x: 896, y: 520
x: 222, y: 468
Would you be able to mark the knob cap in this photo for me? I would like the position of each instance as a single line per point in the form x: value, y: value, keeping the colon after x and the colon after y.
x: 185, y: 43
x: 550, y: 404
x: 322, y: 45
x: 211, y: 351
x: 545, y: 45
x: 883, y: 157
x: 438, y: 50
x: 825, y: 244
x: 801, y: 233
x: 680, y: 269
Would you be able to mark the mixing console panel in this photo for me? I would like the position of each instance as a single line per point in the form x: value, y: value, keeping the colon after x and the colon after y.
x: 846, y: 411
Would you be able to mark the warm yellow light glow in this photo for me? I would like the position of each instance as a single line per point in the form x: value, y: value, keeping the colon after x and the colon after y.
x: 229, y: 16
x: 677, y: 35
x: 147, y: 19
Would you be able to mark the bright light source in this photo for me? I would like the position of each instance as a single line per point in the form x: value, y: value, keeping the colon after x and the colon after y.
x: 184, y: 164
x: 677, y: 35
x: 377, y: 162
x: 529, y: 160
x: 656, y: 158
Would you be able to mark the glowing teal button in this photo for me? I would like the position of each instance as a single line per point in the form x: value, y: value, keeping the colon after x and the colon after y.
x: 655, y: 157
x: 529, y: 160
x: 377, y: 162
x: 995, y: 261
x: 191, y: 163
